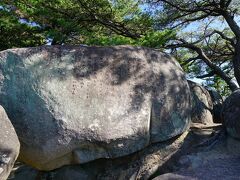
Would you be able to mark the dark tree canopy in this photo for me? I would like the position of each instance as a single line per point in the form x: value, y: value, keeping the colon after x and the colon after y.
x: 71, y: 20
x: 93, y: 22
x: 16, y: 34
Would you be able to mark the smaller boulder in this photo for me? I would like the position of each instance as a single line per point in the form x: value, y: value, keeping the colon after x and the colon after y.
x: 9, y: 145
x: 231, y: 114
x: 202, y: 105
x: 217, y: 105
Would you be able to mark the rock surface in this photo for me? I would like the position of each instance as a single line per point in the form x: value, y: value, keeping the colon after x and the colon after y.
x: 231, y: 114
x: 9, y: 145
x: 75, y: 104
x: 202, y: 104
x: 220, y: 162
x: 139, y: 165
x: 174, y: 176
x: 217, y: 105
x: 178, y: 158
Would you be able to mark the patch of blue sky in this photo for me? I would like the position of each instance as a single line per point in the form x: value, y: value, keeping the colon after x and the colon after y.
x: 33, y: 24
x: 150, y: 9
x: 216, y: 23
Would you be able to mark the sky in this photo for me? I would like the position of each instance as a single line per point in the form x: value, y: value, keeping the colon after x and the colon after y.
x: 220, y: 25
x: 34, y: 24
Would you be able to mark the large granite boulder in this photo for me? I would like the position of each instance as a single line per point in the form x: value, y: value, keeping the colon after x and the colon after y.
x: 75, y: 104
x: 9, y: 145
x: 231, y: 114
x: 202, y: 104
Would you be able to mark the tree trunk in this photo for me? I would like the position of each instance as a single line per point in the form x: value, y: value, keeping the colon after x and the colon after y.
x: 236, y: 62
x: 236, y: 30
x: 218, y: 71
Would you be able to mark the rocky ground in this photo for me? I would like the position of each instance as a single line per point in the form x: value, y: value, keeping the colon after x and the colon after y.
x: 180, y: 158
x: 206, y: 163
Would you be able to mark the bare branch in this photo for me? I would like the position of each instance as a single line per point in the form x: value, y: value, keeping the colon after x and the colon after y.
x: 189, y: 60
x: 206, y: 60
x: 210, y: 74
x: 232, y: 24
x: 228, y: 3
x: 225, y: 37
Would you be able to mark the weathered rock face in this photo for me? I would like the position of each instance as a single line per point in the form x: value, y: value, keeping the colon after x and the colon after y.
x: 231, y: 114
x: 9, y: 145
x: 178, y: 158
x: 217, y: 105
x: 76, y: 104
x: 202, y: 104
x: 140, y: 165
